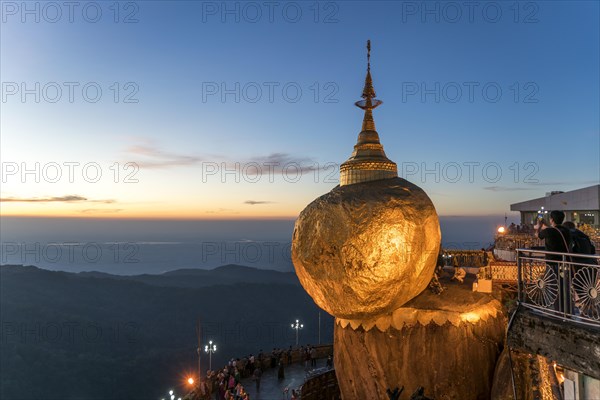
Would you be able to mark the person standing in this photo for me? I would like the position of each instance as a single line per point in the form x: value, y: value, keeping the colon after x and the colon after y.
x: 289, y: 355
x: 274, y: 358
x: 280, y: 370
x: 557, y: 239
x: 257, y: 376
x: 306, y: 356
x: 250, y: 364
x: 260, y: 358
x: 329, y: 362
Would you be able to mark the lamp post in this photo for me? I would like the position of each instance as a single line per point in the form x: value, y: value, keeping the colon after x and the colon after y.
x: 199, y: 348
x: 297, y: 326
x: 319, y: 327
x: 210, y: 348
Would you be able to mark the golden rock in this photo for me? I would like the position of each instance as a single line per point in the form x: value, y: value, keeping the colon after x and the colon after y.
x: 371, y: 244
x: 367, y: 248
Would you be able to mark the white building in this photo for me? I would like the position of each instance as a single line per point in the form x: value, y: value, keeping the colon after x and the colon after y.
x: 580, y: 206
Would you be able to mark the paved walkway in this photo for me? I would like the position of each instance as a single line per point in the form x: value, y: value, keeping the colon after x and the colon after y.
x: 272, y: 389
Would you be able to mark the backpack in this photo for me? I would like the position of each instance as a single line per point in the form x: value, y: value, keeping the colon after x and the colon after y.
x: 582, y: 243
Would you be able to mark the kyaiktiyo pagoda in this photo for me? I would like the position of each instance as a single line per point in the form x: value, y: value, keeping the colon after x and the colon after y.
x: 366, y: 253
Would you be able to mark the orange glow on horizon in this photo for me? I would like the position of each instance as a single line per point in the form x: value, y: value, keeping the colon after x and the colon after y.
x: 155, y: 217
x: 170, y: 212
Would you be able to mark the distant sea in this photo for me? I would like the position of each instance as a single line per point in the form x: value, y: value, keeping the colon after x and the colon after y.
x: 134, y: 247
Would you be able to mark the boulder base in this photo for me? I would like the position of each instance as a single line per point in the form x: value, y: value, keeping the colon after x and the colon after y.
x: 449, y: 344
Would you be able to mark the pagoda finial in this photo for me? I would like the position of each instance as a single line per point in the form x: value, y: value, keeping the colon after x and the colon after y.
x: 369, y: 102
x: 368, y: 161
x: 368, y: 55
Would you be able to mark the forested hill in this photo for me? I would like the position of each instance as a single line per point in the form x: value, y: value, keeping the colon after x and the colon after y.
x: 225, y: 275
x: 99, y: 336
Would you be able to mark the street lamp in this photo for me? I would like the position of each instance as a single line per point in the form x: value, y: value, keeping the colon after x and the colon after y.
x: 297, y: 326
x: 210, y: 349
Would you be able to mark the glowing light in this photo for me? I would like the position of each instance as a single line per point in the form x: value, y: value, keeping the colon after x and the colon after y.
x: 191, y: 381
x: 501, y: 229
x: 470, y: 317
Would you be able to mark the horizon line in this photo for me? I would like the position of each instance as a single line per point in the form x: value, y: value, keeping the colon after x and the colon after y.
x: 224, y: 218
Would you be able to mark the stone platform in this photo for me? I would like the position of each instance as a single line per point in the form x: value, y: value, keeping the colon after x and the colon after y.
x: 449, y: 344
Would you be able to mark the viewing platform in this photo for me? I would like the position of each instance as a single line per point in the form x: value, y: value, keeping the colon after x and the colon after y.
x: 296, y: 376
x: 558, y: 317
x: 311, y: 382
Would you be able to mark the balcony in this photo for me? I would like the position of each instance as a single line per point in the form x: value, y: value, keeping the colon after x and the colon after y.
x: 560, y: 285
x: 558, y: 312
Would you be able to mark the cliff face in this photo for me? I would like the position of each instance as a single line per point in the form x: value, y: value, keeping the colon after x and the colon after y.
x: 449, y: 344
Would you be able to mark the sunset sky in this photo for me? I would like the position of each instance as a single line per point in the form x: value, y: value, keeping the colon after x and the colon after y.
x: 195, y: 99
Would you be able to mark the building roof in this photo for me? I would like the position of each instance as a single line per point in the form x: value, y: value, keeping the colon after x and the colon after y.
x: 585, y: 199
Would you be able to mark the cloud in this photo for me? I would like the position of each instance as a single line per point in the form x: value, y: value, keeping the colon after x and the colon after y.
x: 222, y: 211
x: 506, y: 189
x: 535, y: 186
x: 255, y: 202
x: 560, y: 183
x: 148, y: 155
x: 282, y: 163
x: 101, y: 210
x: 156, y: 158
x: 60, y: 199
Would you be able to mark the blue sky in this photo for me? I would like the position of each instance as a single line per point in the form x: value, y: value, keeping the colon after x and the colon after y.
x: 178, y: 56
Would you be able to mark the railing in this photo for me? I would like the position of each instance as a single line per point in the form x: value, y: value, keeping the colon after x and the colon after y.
x: 500, y: 271
x: 560, y: 284
x: 323, y: 385
x: 465, y: 258
x: 513, y: 241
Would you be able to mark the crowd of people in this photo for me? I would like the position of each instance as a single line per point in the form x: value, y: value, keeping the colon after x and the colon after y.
x: 225, y: 384
x: 520, y: 228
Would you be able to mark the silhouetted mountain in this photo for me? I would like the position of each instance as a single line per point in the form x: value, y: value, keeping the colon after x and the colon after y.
x: 99, y: 336
x: 225, y: 275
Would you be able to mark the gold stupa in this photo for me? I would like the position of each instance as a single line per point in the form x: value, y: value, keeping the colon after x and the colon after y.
x: 370, y: 244
x: 368, y: 161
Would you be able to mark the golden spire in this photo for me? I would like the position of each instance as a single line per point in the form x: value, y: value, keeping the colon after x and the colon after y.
x: 368, y: 161
x: 369, y: 102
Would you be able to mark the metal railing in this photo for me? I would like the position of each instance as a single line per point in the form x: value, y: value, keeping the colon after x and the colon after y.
x: 513, y: 241
x: 321, y: 386
x: 563, y: 285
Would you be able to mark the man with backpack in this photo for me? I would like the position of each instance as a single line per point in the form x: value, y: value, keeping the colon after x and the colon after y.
x: 580, y: 244
x: 556, y: 239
